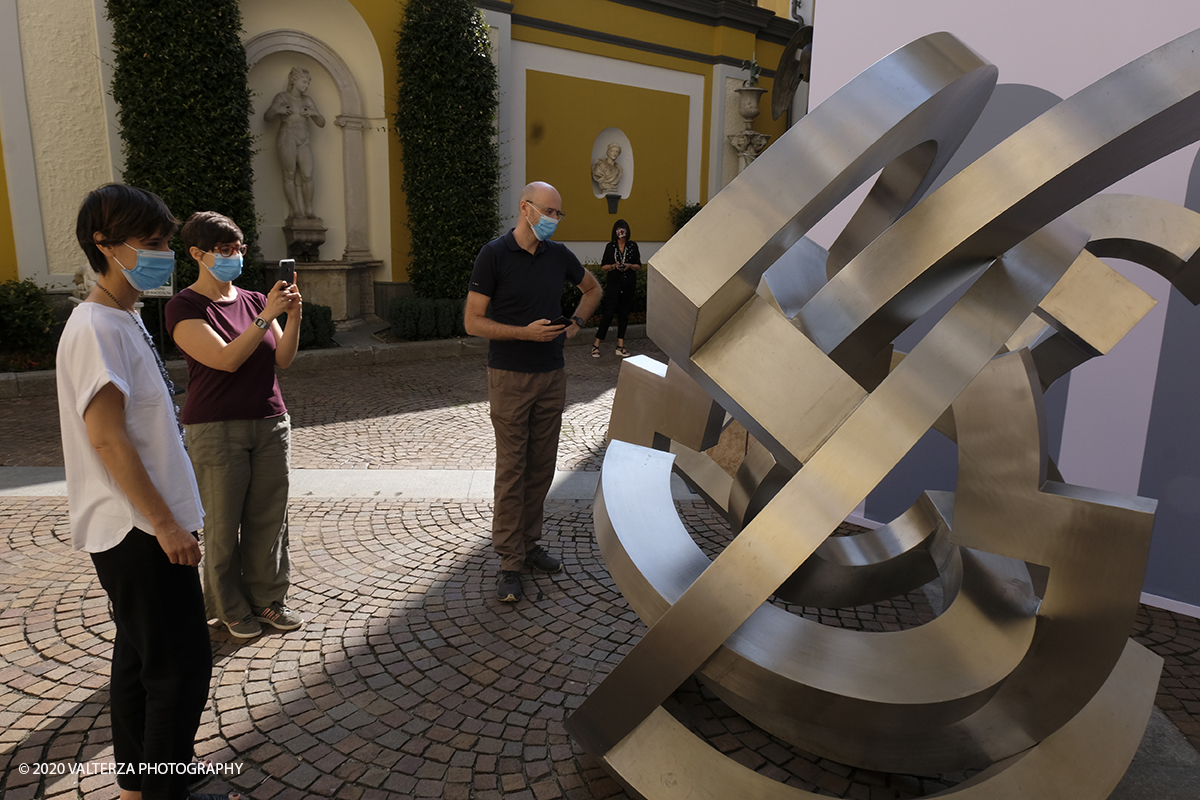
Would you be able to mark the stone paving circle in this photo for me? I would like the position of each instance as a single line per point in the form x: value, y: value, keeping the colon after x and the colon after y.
x: 408, y: 679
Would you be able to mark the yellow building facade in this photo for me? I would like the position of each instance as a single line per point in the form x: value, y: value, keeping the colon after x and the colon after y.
x: 655, y: 76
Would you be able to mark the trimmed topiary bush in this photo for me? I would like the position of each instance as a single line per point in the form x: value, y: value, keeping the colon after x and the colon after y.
x: 316, y: 326
x: 571, y: 295
x: 426, y: 320
x: 447, y: 127
x: 446, y: 314
x: 27, y: 327
x: 184, y: 109
x: 402, y: 318
x: 414, y: 319
x: 26, y: 317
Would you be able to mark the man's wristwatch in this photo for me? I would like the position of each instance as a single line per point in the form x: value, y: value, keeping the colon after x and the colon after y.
x: 259, y: 322
x: 577, y: 321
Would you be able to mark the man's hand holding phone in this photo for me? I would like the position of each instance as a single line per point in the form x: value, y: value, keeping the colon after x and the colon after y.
x: 567, y: 322
x: 545, y: 330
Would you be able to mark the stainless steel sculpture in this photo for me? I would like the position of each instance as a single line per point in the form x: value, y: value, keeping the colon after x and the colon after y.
x: 1028, y: 671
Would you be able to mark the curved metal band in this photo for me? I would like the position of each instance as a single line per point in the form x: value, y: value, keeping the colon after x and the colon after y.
x: 720, y: 316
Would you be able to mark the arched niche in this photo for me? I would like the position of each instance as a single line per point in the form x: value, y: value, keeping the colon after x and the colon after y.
x: 351, y: 120
x: 600, y: 146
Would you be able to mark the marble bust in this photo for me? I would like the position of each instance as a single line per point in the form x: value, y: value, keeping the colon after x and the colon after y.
x: 606, y: 171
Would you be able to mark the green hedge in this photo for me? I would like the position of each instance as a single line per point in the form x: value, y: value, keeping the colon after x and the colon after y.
x: 26, y: 317
x: 180, y: 83
x: 27, y: 327
x: 316, y: 326
x: 414, y: 319
x: 447, y: 127
x: 571, y: 293
x: 680, y: 212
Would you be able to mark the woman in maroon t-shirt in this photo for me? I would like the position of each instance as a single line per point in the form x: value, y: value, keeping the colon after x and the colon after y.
x: 238, y: 430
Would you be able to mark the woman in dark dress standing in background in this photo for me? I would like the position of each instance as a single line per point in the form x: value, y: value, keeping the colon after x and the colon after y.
x: 621, y: 262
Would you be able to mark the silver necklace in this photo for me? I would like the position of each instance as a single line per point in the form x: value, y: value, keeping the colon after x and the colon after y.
x: 162, y: 368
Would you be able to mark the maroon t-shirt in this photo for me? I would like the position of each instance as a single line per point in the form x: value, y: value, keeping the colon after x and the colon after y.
x: 252, y: 392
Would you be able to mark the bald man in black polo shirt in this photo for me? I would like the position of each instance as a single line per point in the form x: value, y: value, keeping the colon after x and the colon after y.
x: 520, y: 275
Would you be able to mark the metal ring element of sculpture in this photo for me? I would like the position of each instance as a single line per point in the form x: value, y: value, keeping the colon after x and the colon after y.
x: 1029, y: 660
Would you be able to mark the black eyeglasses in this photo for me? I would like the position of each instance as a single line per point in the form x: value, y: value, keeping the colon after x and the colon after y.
x: 230, y: 250
x: 554, y: 212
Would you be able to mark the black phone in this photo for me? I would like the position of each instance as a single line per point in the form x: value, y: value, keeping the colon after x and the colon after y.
x: 561, y: 321
x: 287, y: 270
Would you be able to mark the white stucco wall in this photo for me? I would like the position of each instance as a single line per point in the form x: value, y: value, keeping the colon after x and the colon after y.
x: 342, y: 29
x: 67, y: 123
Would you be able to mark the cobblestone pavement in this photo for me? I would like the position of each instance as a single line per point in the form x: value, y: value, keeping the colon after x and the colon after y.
x: 415, y: 415
x: 409, y: 679
x: 29, y: 434
x: 434, y: 414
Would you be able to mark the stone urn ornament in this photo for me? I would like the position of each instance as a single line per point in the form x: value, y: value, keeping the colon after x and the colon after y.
x: 749, y: 143
x: 750, y: 93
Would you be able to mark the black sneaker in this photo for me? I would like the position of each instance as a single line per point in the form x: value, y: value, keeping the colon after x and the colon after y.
x: 537, y: 558
x: 508, y: 589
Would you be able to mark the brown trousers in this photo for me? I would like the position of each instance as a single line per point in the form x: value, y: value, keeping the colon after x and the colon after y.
x: 526, y: 410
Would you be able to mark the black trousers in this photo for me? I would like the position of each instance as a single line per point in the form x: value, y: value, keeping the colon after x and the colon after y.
x: 618, y: 297
x: 161, y: 663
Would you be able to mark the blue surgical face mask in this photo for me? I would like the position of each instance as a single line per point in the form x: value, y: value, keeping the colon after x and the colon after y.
x: 226, y: 268
x: 545, y: 226
x: 152, y: 269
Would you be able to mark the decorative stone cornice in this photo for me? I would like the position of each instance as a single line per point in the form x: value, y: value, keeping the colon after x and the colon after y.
x: 347, y: 121
x: 625, y: 41
x: 727, y: 13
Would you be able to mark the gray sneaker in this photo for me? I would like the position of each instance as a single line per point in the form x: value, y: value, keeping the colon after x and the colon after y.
x: 279, y: 616
x: 246, y: 628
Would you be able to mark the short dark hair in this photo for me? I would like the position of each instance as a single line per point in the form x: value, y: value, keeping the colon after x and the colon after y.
x: 207, y: 229
x: 118, y: 212
x: 622, y: 224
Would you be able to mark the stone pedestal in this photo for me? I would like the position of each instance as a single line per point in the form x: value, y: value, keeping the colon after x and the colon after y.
x: 347, y: 287
x: 749, y: 145
x: 304, y: 237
